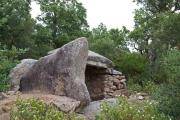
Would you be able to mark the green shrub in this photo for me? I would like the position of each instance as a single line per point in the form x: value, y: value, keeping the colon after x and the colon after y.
x: 148, y: 87
x: 5, y: 67
x: 34, y: 109
x: 103, y: 46
x: 133, y: 65
x: 8, y: 59
x: 133, y: 86
x: 123, y: 110
x: 130, y: 63
x: 168, y: 95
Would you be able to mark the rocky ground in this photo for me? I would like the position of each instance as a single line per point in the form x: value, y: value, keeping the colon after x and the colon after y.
x: 8, y: 101
x: 65, y: 104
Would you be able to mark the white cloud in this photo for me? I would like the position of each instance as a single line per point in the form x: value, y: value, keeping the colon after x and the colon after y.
x: 113, y: 13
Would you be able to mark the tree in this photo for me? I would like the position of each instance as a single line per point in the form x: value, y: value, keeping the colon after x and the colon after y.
x: 168, y: 95
x: 16, y: 24
x: 106, y: 42
x: 42, y: 41
x: 66, y: 19
x: 158, y: 6
x: 156, y: 24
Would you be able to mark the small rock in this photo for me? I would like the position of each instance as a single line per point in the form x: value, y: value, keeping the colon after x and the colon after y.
x: 107, y: 96
x: 116, y: 82
x: 122, y: 77
x: 18, y: 93
x: 110, y: 94
x: 6, y: 109
x: 142, y: 94
x: 115, y: 72
x: 120, y: 86
x: 11, y: 93
x: 140, y: 97
x: 109, y: 84
x: 123, y: 80
x: 113, y: 87
x: 121, y: 92
x: 132, y: 98
x: 4, y: 95
x: 65, y: 104
x: 106, y: 89
x: 91, y: 110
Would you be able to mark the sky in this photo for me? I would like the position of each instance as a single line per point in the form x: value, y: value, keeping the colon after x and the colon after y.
x: 113, y: 13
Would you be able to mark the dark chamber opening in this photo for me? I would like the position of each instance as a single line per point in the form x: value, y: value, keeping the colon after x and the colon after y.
x: 94, y: 80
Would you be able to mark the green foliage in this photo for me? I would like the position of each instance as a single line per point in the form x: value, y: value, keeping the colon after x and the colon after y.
x: 134, y: 86
x: 150, y: 87
x: 8, y: 59
x: 5, y: 67
x: 108, y: 42
x: 34, y: 109
x: 16, y: 24
x: 123, y: 110
x: 156, y: 24
x: 66, y: 20
x: 131, y: 63
x: 103, y: 46
x: 157, y: 6
x: 168, y: 95
x: 134, y: 66
x: 147, y: 86
x: 155, y: 32
x: 100, y: 42
x: 42, y: 42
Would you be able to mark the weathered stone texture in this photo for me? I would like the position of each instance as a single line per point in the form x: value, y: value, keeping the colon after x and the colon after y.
x: 102, y: 84
x: 17, y: 72
x: 61, y: 73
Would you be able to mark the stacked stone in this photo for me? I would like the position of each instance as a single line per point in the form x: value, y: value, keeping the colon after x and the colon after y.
x: 101, y: 79
x: 104, y: 83
x: 113, y: 82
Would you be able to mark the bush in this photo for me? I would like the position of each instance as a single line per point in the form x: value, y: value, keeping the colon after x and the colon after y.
x: 34, y: 109
x: 150, y: 87
x: 103, y: 46
x: 123, y: 110
x: 132, y: 63
x: 8, y: 59
x: 168, y: 95
x: 135, y: 87
x: 5, y: 67
x: 147, y: 86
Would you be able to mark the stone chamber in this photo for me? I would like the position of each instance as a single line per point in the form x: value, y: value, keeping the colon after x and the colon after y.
x: 104, y: 82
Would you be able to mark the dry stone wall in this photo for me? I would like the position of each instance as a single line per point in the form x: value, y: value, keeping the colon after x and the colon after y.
x: 104, y: 83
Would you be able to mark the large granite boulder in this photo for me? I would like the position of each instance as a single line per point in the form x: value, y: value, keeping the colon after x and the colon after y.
x: 17, y: 72
x: 94, y: 59
x: 97, y: 60
x: 60, y: 73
